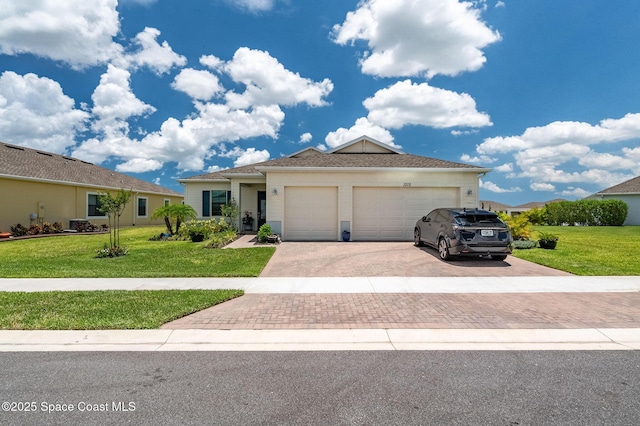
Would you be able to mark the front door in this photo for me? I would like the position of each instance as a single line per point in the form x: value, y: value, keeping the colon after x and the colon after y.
x: 262, y: 208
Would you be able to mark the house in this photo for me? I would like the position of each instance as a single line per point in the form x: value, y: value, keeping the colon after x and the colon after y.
x: 629, y: 192
x: 38, y: 186
x: 368, y: 188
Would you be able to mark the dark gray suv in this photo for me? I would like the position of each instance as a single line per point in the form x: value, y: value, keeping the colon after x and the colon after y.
x: 464, y: 232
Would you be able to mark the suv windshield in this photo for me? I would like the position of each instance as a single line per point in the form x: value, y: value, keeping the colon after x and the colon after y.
x: 473, y: 219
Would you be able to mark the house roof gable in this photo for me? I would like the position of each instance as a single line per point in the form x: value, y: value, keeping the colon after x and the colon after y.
x: 631, y: 186
x: 27, y: 163
x: 381, y: 156
x: 364, y: 145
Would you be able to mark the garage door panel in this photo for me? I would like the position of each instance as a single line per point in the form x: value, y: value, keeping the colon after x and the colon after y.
x: 311, y: 213
x: 390, y: 213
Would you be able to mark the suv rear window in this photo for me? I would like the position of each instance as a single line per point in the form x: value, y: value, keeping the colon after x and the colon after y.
x: 473, y: 219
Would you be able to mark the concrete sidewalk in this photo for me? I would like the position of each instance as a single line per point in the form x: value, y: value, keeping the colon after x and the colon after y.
x: 566, y: 337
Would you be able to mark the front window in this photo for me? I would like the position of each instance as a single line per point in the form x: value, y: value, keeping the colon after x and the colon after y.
x: 212, y: 202
x: 93, y: 206
x: 218, y: 199
x: 142, y: 207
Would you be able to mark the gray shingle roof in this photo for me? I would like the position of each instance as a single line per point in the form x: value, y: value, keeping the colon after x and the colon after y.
x: 340, y: 160
x: 631, y: 186
x: 30, y: 163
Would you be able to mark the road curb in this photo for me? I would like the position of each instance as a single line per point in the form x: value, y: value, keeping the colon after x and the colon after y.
x: 320, y: 340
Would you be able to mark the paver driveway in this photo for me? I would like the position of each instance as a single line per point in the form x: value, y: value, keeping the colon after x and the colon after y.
x: 387, y: 259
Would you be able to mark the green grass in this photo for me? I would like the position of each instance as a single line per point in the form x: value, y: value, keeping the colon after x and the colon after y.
x: 589, y: 250
x: 74, y: 256
x: 103, y: 310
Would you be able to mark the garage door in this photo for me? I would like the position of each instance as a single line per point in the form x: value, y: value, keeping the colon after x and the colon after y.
x: 311, y: 214
x: 390, y: 214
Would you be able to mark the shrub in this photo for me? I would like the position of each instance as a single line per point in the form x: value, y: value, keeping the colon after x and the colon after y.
x: 523, y: 244
x: 191, y: 228
x: 519, y: 226
x: 34, y: 230
x: 546, y: 236
x: 264, y: 232
x: 587, y: 212
x: 221, y: 239
x: 18, y: 230
x: 107, y: 251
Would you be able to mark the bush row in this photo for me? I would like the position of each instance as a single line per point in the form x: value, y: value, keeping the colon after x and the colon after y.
x: 20, y: 230
x: 587, y: 212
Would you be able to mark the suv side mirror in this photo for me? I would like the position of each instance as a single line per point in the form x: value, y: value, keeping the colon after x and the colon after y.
x: 424, y: 219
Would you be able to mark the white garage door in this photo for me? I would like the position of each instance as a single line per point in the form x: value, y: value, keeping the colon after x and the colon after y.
x: 390, y: 214
x: 311, y: 214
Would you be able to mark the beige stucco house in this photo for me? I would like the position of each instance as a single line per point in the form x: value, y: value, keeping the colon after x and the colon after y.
x: 38, y: 186
x: 364, y: 186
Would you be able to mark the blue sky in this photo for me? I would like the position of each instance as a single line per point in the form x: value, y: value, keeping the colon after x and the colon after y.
x: 545, y: 93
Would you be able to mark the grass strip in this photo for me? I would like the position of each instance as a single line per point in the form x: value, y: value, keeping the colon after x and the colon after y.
x: 103, y: 310
x: 75, y: 257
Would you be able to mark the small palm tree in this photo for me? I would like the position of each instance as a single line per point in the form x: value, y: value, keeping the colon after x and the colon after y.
x: 175, y: 212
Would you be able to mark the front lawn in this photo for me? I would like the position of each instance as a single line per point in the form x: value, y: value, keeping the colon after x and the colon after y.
x: 74, y: 256
x: 589, y: 250
x: 103, y: 310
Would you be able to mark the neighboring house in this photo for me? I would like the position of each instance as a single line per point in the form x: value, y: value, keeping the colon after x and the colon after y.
x: 38, y: 186
x: 629, y: 192
x: 364, y: 186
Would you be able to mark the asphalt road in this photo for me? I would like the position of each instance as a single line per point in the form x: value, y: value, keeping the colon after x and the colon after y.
x: 321, y: 388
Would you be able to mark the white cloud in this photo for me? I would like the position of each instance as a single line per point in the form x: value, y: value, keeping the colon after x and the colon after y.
x: 139, y: 165
x: 160, y: 58
x: 575, y: 193
x: 541, y: 186
x: 608, y: 161
x: 268, y: 82
x: 35, y: 112
x: 632, y: 154
x: 483, y: 159
x: 542, y: 153
x: 212, y: 62
x: 560, y: 132
x: 305, y: 138
x: 500, y: 4
x: 406, y: 103
x: 77, y: 32
x: 361, y: 127
x: 213, y: 169
x: 417, y: 37
x: 251, y: 156
x: 490, y: 186
x: 505, y: 168
x: 114, y: 103
x: 253, y: 5
x: 463, y: 132
x: 200, y: 85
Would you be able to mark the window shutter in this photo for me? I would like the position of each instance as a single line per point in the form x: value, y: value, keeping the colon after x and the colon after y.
x: 206, y: 203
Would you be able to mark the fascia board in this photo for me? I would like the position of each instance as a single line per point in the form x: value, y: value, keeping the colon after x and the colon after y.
x: 85, y: 185
x: 371, y: 169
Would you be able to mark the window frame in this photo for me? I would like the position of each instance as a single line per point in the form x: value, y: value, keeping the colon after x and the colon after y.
x: 98, y: 214
x: 146, y: 206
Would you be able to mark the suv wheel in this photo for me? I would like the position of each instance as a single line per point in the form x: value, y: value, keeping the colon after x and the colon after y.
x: 416, y: 238
x: 443, y: 250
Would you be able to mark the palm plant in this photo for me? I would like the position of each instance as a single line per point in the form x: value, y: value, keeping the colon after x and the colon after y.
x: 177, y: 213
